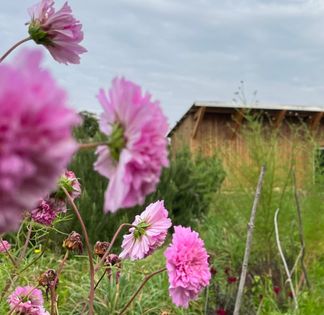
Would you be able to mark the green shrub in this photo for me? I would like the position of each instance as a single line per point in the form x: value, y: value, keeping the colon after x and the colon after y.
x: 186, y: 186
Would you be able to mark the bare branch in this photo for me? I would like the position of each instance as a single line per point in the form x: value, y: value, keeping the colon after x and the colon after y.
x: 284, y: 260
x: 248, y: 243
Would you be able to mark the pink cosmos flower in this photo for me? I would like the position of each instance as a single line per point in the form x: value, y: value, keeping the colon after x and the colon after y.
x: 28, y: 301
x: 36, y: 140
x: 44, y: 213
x: 136, y: 150
x: 4, y: 246
x: 58, y: 31
x: 150, y: 232
x: 187, y: 266
x: 71, y: 183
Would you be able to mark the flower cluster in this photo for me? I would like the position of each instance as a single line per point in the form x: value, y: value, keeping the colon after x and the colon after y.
x: 136, y: 150
x: 36, y: 140
x: 28, y: 301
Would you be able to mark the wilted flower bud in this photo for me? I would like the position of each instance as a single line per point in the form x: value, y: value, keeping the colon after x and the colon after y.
x: 73, y: 242
x: 112, y: 260
x: 47, y: 280
x: 100, y: 248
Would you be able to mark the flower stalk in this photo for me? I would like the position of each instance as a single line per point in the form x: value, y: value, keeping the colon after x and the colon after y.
x: 86, y: 237
x: 147, y: 278
x: 14, y: 47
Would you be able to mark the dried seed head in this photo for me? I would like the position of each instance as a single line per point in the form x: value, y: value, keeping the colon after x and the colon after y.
x: 100, y: 248
x: 47, y: 278
x: 112, y: 260
x: 73, y: 242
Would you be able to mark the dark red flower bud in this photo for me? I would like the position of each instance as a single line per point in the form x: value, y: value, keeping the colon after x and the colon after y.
x: 221, y: 311
x: 231, y: 279
x: 276, y: 290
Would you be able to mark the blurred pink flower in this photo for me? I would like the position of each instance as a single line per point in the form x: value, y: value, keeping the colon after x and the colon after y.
x: 36, y: 142
x: 150, y: 232
x: 44, y: 213
x: 4, y: 246
x: 136, y: 149
x: 187, y: 265
x: 29, y: 301
x: 58, y: 31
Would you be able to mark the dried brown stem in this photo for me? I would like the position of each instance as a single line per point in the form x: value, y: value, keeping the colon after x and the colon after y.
x: 86, y: 237
x: 14, y: 47
x: 147, y: 278
x: 9, y: 254
x: 112, y: 244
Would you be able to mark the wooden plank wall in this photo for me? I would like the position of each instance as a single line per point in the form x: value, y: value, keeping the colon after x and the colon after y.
x: 215, y: 135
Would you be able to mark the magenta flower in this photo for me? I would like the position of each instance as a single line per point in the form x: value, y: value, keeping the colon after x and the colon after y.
x: 44, y: 213
x: 150, y: 232
x: 136, y: 150
x: 187, y: 266
x: 27, y: 300
x: 58, y: 31
x: 36, y: 140
x: 4, y: 246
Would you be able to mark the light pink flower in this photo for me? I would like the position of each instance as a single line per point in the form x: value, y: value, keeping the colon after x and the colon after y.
x: 58, y: 31
x: 4, y: 246
x: 44, y: 213
x: 187, y: 266
x: 72, y: 184
x: 27, y: 300
x: 150, y: 232
x: 36, y: 142
x: 137, y: 144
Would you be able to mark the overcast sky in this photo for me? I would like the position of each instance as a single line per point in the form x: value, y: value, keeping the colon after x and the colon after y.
x: 182, y: 51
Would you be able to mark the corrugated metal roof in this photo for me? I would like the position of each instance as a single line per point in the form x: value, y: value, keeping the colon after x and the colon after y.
x: 307, y: 108
x: 267, y: 106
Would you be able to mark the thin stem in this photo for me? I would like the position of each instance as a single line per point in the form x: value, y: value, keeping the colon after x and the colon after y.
x: 102, y: 276
x: 248, y: 243
x: 93, y: 145
x: 8, y: 253
x: 86, y: 237
x: 53, y: 286
x: 14, y: 47
x: 53, y: 299
x: 111, y: 244
x: 284, y: 260
x: 23, y: 252
x: 300, y: 230
x: 147, y: 278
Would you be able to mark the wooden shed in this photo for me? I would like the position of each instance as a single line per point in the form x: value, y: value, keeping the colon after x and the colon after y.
x: 210, y: 127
